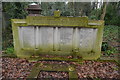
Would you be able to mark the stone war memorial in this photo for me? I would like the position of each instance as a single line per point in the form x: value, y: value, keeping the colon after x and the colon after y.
x: 56, y: 38
x: 56, y: 35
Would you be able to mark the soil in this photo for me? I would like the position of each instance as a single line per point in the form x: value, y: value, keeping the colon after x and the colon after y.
x: 21, y: 68
x: 53, y: 75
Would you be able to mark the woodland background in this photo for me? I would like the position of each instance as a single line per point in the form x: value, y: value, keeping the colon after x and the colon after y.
x: 108, y: 11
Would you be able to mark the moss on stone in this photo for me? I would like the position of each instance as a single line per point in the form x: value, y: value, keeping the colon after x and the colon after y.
x: 61, y: 22
x: 53, y: 67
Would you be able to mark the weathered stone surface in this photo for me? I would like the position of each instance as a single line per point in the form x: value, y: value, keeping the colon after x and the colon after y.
x: 59, y: 21
x: 27, y: 37
x: 58, y: 36
x: 46, y: 38
x: 59, y: 39
x: 66, y: 38
x: 87, y: 38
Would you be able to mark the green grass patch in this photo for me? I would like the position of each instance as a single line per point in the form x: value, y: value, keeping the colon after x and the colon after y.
x: 9, y: 52
x: 111, y: 33
x: 110, y: 39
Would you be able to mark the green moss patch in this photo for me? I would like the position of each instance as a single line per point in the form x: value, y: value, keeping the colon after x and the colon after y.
x: 38, y: 67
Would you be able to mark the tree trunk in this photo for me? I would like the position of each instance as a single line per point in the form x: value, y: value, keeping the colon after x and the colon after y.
x: 104, y: 11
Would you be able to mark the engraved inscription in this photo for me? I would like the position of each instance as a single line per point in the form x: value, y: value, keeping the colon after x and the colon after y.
x: 66, y: 38
x: 27, y: 37
x: 87, y: 38
x: 46, y: 37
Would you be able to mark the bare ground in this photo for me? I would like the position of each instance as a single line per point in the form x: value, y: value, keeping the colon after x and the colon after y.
x: 21, y: 68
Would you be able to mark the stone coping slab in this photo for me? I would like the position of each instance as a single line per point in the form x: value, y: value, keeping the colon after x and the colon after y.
x: 38, y: 67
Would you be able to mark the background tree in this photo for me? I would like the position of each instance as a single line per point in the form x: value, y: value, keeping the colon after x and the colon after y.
x: 103, y: 11
x: 91, y: 9
x: 10, y: 11
x: 113, y: 14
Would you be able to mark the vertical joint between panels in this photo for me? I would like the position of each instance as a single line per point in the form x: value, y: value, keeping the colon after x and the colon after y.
x: 75, y: 38
x: 39, y: 38
x: 58, y: 38
x: 34, y: 27
x: 36, y: 37
x: 54, y: 38
x: 21, y: 36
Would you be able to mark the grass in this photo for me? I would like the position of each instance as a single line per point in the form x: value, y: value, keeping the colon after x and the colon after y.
x: 111, y: 33
x: 111, y: 36
x: 9, y: 50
